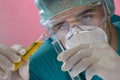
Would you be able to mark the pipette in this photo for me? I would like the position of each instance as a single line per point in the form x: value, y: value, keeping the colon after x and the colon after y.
x: 31, y: 50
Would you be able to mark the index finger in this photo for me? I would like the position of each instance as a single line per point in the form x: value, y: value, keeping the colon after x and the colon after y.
x: 9, y: 53
x: 68, y: 53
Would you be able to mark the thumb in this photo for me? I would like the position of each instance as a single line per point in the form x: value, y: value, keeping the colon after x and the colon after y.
x: 24, y: 71
x: 19, y: 49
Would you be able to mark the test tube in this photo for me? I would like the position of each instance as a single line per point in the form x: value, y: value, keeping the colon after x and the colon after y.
x: 60, y: 49
x: 33, y: 47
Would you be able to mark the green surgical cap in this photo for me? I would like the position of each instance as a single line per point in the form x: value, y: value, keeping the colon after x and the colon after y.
x: 49, y: 8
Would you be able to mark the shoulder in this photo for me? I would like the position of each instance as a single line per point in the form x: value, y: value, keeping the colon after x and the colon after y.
x: 43, y: 61
x: 115, y: 18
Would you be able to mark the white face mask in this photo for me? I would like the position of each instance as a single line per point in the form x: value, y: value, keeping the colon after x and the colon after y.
x: 84, y: 35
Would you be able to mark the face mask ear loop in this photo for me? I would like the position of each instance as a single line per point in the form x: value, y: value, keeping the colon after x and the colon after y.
x: 105, y: 22
x: 105, y: 17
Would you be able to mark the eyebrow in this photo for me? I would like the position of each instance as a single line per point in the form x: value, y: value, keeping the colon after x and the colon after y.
x: 85, y: 11
x: 59, y: 23
x: 82, y: 13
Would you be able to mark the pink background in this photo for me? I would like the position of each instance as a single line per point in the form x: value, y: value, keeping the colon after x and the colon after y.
x: 19, y: 21
x: 117, y: 4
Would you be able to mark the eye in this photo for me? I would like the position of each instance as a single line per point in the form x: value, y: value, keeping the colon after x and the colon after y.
x: 86, y: 17
x: 58, y: 26
x: 63, y: 26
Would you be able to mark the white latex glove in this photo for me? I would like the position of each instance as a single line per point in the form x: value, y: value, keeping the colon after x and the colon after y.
x: 97, y: 59
x: 8, y: 56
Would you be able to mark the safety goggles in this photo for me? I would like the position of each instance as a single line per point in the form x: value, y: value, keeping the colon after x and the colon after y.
x: 87, y: 15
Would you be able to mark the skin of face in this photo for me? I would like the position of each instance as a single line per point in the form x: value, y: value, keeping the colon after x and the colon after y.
x: 85, y: 10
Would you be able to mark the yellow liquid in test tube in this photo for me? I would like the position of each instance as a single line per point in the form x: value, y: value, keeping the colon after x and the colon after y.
x: 35, y: 45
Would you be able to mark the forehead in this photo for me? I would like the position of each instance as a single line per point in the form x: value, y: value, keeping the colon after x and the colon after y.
x: 72, y: 12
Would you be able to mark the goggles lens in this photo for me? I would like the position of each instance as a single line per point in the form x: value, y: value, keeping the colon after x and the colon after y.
x: 80, y: 17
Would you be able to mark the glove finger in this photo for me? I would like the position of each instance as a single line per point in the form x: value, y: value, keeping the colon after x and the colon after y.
x: 19, y: 49
x: 99, y: 45
x: 68, y: 53
x: 3, y: 75
x: 68, y: 64
x: 24, y: 71
x: 82, y: 65
x: 96, y: 70
x: 5, y: 67
x: 4, y: 62
x: 15, y: 76
x: 9, y: 53
x: 4, y: 72
x: 3, y: 79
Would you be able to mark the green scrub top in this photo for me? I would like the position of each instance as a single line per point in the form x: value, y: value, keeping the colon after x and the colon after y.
x: 44, y: 64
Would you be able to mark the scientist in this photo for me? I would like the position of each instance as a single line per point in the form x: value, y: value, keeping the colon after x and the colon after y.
x: 89, y: 31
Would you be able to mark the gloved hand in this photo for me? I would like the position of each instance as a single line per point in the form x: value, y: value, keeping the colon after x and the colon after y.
x: 96, y: 58
x: 8, y: 56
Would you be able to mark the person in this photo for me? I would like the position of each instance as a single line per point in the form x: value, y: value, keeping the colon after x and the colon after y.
x: 94, y: 56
